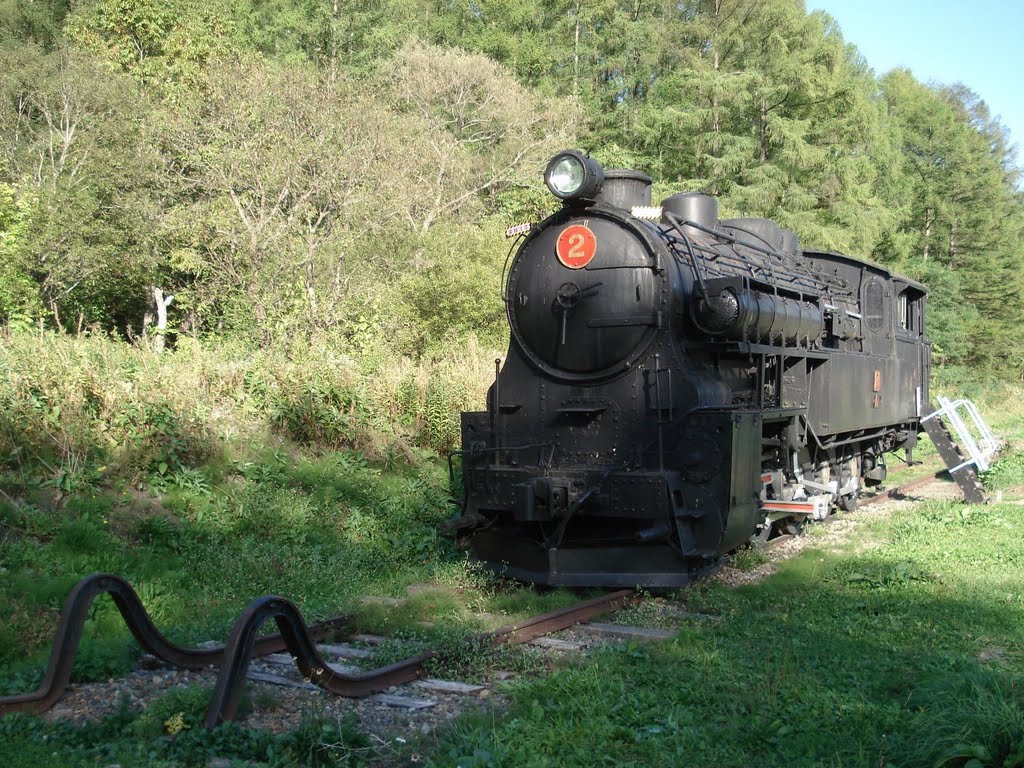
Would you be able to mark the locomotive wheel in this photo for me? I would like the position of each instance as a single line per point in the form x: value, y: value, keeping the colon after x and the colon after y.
x: 848, y: 502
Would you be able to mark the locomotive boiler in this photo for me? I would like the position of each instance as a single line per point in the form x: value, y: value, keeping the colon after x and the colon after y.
x: 677, y: 384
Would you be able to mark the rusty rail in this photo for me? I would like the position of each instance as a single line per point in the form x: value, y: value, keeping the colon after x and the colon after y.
x: 232, y: 659
x: 238, y: 651
x: 69, y: 635
x: 892, y: 494
x: 900, y: 490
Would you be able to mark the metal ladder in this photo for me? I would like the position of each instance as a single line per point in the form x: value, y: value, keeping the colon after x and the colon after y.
x: 964, y: 442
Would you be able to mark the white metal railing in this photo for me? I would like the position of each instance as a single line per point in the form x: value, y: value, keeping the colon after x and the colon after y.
x: 971, y: 432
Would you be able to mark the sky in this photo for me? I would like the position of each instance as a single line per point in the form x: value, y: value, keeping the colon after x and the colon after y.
x: 978, y: 43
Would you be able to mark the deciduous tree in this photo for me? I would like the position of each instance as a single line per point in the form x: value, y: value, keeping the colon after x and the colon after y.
x: 81, y: 169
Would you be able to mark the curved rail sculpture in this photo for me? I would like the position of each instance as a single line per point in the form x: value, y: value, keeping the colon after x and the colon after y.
x: 241, y: 644
x: 69, y: 635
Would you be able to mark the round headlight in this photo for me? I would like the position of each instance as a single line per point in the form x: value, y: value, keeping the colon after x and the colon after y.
x: 566, y: 176
x: 571, y: 175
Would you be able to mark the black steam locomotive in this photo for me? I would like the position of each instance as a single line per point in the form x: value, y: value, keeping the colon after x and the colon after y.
x: 677, y: 385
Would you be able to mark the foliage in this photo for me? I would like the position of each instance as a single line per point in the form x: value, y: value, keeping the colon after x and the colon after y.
x: 38, y: 23
x: 19, y: 299
x: 288, y: 168
x: 169, y: 743
x: 79, y: 413
x: 162, y: 45
x: 79, y: 200
x: 178, y: 710
x: 76, y: 411
x: 168, y: 469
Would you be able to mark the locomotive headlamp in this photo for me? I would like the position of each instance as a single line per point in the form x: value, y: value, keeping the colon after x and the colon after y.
x: 571, y: 175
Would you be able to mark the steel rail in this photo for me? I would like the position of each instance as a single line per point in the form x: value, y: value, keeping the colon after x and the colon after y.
x: 72, y: 622
x: 231, y: 679
x: 241, y: 644
x: 900, y: 490
x: 862, y: 501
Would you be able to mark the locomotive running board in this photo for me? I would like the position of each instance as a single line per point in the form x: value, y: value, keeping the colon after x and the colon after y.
x: 974, y: 438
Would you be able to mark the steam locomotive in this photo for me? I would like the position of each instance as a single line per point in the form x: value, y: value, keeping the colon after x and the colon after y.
x: 677, y: 385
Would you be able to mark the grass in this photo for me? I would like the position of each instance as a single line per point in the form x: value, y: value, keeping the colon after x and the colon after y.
x: 211, y: 476
x: 321, y: 529
x: 177, y: 741
x: 208, y: 478
x: 903, y: 647
x: 197, y: 559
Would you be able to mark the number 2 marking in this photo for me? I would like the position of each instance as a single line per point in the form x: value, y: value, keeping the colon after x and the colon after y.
x: 576, y: 246
x: 576, y: 241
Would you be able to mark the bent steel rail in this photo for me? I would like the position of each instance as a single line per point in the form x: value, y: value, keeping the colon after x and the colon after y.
x: 72, y: 622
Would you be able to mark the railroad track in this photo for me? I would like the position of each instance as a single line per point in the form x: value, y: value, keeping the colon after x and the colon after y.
x: 455, y: 689
x: 891, y: 494
x: 900, y: 490
x: 317, y: 665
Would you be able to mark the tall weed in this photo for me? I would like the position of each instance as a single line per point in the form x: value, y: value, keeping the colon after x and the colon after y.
x: 75, y: 410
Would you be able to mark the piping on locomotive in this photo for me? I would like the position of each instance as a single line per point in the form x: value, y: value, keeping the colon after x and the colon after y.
x: 677, y: 384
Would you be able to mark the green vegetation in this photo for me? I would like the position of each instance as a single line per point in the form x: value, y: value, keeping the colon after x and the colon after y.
x: 183, y: 473
x: 206, y: 478
x: 283, y: 172
x: 250, y: 264
x: 179, y: 740
x: 187, y: 475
